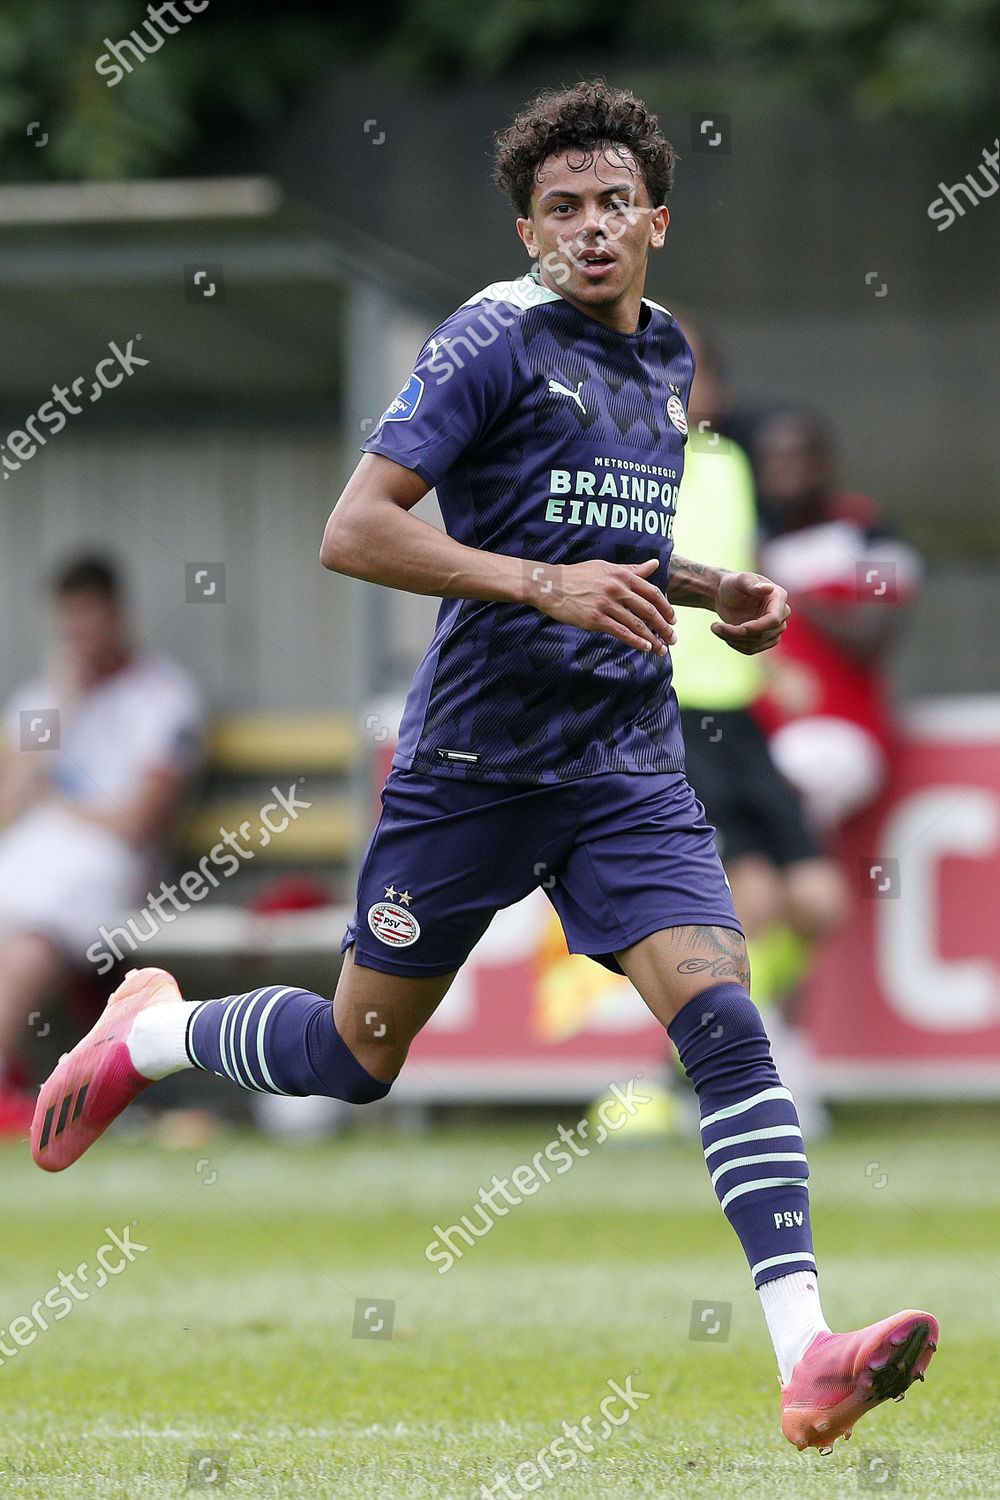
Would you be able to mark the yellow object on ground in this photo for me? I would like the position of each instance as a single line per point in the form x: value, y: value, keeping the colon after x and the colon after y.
x: 659, y: 1119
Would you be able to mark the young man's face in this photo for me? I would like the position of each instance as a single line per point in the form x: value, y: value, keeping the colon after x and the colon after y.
x: 591, y: 229
x: 91, y: 632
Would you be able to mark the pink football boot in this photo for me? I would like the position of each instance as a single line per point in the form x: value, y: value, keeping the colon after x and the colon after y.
x: 96, y: 1081
x: 842, y: 1376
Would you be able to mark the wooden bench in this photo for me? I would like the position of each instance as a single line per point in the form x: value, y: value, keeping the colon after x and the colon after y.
x: 320, y: 755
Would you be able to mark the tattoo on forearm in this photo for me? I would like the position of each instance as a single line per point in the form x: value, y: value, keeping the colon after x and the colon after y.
x: 692, y: 582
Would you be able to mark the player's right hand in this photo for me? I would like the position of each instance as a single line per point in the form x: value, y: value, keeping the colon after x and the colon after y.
x: 616, y: 598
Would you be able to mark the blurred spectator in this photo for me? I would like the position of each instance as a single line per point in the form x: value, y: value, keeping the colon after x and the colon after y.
x: 95, y: 758
x: 826, y: 707
x: 776, y: 868
x: 787, y: 892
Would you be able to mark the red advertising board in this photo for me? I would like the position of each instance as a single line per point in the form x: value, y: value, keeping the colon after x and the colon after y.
x: 907, y: 997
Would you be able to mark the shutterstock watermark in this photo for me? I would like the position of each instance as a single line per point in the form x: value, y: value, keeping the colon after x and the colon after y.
x: 577, y: 1437
x: 528, y: 1177
x: 25, y: 442
x: 114, y: 64
x: 450, y: 352
x: 973, y: 187
x: 222, y: 861
x: 118, y: 1251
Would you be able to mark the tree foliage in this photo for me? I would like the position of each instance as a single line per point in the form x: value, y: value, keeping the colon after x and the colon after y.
x: 919, y: 56
x: 233, y: 74
x: 237, y: 64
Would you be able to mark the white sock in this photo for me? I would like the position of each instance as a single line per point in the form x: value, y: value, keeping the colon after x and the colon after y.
x: 794, y: 1317
x: 156, y: 1041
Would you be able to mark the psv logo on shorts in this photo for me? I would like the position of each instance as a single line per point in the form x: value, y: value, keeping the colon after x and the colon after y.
x: 677, y: 414
x: 393, y: 925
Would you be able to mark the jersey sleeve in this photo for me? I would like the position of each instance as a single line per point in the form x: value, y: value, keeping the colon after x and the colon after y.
x: 463, y: 379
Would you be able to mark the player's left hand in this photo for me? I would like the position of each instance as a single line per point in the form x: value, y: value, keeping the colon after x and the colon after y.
x: 752, y: 612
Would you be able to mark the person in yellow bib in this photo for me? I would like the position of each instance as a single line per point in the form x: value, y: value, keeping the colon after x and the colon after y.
x: 787, y: 892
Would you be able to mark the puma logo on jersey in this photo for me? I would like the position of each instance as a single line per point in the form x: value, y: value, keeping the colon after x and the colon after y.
x: 558, y: 389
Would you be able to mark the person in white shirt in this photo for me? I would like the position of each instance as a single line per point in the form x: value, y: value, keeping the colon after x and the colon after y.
x: 95, y: 756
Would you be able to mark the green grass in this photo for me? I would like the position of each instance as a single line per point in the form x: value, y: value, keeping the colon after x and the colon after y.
x: 233, y: 1331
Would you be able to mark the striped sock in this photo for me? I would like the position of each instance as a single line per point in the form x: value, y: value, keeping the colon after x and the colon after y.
x: 749, y: 1129
x: 278, y: 1040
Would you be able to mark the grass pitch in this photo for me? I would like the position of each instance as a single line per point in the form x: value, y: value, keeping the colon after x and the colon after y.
x: 224, y: 1355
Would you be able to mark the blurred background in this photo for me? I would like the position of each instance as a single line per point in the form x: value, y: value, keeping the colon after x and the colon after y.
x: 250, y: 219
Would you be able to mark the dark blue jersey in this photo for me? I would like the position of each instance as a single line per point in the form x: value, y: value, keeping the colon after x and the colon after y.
x: 552, y: 438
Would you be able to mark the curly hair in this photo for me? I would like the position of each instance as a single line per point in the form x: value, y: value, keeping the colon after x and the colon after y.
x: 588, y: 118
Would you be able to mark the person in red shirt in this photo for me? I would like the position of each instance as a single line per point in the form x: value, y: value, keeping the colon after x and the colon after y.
x: 826, y: 709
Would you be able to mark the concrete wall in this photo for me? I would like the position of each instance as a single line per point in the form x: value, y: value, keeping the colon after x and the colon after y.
x: 255, y: 500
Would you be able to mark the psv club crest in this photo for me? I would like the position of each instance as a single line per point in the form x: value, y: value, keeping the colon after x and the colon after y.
x: 393, y: 925
x: 677, y: 414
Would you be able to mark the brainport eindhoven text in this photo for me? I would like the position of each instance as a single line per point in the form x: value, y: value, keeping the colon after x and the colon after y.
x: 582, y: 497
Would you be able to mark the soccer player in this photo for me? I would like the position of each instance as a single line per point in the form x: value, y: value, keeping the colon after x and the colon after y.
x: 540, y: 743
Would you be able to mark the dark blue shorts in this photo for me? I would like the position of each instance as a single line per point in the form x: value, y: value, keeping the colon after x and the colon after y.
x: 619, y: 857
